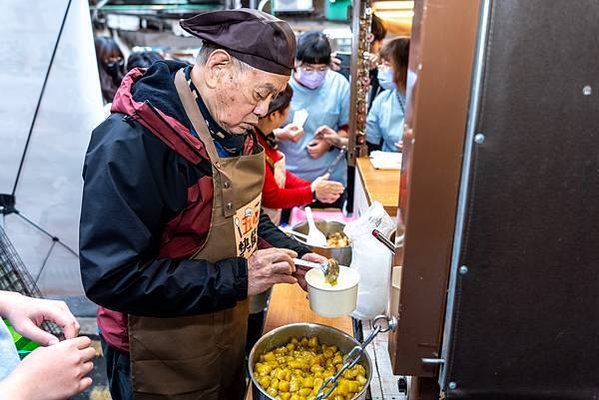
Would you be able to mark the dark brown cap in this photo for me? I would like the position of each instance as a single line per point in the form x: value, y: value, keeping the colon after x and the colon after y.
x: 252, y: 36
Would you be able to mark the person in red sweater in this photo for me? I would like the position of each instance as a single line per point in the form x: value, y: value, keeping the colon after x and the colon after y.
x: 282, y: 189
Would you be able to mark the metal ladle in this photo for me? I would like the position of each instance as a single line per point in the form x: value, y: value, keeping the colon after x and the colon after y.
x: 330, y: 268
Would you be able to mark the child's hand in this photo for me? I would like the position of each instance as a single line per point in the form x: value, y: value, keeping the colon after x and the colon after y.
x: 26, y: 315
x: 52, y: 373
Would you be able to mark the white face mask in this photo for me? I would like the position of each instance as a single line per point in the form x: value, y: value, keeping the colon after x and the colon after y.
x: 385, y: 77
x: 312, y: 79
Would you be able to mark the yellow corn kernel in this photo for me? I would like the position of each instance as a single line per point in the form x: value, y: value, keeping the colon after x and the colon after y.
x: 308, y: 382
x: 316, y: 368
x: 361, y: 379
x: 271, y: 392
x: 283, y: 386
x: 360, y: 368
x: 264, y: 381
x: 353, y: 386
x: 294, y: 385
x: 343, y: 387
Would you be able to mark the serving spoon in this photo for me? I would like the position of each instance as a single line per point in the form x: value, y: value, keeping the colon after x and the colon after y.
x: 330, y: 268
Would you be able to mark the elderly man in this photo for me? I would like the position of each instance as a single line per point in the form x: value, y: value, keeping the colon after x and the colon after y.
x: 171, y: 219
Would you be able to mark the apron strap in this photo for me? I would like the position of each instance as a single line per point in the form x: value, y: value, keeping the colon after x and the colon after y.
x: 199, y: 125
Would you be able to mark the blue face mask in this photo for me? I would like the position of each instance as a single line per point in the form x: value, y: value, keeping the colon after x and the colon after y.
x: 311, y: 79
x: 385, y: 77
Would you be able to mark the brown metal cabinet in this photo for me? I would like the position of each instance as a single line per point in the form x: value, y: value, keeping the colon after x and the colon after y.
x: 499, y: 200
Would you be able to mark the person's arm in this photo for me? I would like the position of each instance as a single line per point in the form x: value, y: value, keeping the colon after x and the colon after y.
x: 294, y: 181
x: 274, y: 237
x: 374, y: 136
x: 338, y: 138
x: 131, y: 184
x: 293, y: 194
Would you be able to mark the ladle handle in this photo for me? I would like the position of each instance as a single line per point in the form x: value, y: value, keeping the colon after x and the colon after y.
x: 305, y: 263
x: 310, y: 218
x: 383, y: 239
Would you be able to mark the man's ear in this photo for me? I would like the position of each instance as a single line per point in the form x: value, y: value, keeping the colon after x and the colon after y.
x: 218, y: 63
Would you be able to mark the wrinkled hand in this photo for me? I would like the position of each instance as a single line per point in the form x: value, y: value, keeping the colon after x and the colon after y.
x: 317, y: 148
x: 327, y: 191
x: 26, y: 314
x: 56, y: 372
x: 268, y: 267
x: 335, y: 63
x: 399, y: 146
x: 300, y: 272
x: 331, y: 136
x: 290, y: 132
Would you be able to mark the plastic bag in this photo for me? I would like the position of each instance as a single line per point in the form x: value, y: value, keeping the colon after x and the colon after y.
x: 372, y: 260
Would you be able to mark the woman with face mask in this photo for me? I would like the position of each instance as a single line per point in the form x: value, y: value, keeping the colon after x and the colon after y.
x: 111, y: 65
x: 384, y: 125
x: 324, y: 95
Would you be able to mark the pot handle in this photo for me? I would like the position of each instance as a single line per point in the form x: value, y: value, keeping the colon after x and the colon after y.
x: 381, y: 324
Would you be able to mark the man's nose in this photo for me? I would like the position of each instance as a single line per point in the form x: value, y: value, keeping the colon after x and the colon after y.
x: 261, y: 108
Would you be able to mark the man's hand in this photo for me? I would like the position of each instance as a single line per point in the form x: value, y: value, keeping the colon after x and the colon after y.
x: 56, y: 372
x: 399, y: 145
x: 300, y: 272
x: 268, y: 267
x: 317, y: 148
x: 331, y: 136
x: 27, y: 314
x: 290, y: 132
x: 327, y: 191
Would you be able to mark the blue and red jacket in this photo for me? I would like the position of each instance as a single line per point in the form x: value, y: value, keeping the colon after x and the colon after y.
x: 147, y: 202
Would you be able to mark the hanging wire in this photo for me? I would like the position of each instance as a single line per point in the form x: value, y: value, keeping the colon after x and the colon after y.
x: 41, y: 96
x: 39, y: 274
x: 45, y: 232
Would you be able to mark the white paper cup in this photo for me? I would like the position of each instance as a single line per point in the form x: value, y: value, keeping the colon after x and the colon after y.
x: 333, y: 301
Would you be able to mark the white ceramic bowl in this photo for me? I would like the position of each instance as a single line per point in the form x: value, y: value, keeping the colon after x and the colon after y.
x: 333, y: 300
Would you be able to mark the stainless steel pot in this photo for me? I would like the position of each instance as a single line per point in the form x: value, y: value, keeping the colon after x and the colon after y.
x: 341, y: 254
x: 326, y: 334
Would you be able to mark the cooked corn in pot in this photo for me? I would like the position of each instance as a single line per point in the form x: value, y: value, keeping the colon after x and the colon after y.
x: 297, y: 370
x: 337, y: 239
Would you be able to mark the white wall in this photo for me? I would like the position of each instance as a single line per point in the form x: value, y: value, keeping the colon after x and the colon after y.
x: 49, y: 190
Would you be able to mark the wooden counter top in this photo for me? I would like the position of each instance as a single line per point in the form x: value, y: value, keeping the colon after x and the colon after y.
x: 289, y: 304
x: 380, y: 185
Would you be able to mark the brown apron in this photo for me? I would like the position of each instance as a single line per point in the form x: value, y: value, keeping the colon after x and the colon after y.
x: 202, y: 357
